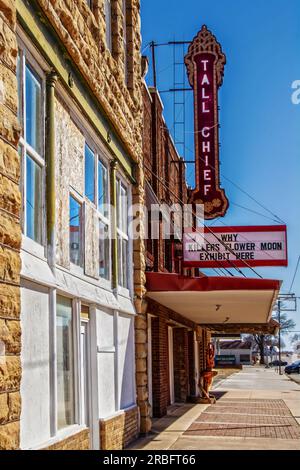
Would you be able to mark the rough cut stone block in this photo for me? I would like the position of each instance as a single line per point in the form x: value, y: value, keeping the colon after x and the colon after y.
x: 3, y: 408
x: 10, y: 265
x: 9, y: 436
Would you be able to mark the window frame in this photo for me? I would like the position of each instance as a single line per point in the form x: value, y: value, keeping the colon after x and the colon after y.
x: 24, y: 148
x: 105, y: 219
x: 79, y: 200
x: 120, y: 182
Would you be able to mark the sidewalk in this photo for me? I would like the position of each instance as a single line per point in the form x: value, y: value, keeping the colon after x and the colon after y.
x: 256, y: 409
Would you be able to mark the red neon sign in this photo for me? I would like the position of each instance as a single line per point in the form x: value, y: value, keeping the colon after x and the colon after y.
x: 205, y: 63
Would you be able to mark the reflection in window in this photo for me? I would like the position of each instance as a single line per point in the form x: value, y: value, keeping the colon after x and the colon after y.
x: 89, y: 169
x: 75, y: 232
x: 33, y: 109
x: 122, y: 228
x: 65, y: 363
x: 34, y: 214
x: 122, y: 262
x: 31, y: 148
x: 102, y: 188
x: 104, y: 246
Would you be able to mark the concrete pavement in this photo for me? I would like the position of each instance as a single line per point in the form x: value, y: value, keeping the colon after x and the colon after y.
x: 257, y: 409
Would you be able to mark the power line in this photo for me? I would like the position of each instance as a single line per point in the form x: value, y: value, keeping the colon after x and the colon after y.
x: 295, y: 273
x: 208, y: 229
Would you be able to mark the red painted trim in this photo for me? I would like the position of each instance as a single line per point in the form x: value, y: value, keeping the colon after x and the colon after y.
x: 250, y: 228
x: 237, y: 263
x: 166, y: 282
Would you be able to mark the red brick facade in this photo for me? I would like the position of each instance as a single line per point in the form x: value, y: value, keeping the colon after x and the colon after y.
x: 172, y: 377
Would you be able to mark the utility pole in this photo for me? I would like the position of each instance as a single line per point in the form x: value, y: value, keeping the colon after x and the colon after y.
x: 279, y: 337
x: 152, y: 45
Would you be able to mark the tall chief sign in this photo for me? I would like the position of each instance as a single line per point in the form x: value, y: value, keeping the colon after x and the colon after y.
x: 205, y: 65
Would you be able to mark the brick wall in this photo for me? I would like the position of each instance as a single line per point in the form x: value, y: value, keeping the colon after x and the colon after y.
x: 181, y: 368
x: 160, y: 377
x: 79, y: 441
x: 10, y: 234
x: 191, y: 363
x: 117, y: 432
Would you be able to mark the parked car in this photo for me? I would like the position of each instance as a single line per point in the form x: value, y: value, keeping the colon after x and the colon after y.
x: 278, y: 363
x: 293, y: 368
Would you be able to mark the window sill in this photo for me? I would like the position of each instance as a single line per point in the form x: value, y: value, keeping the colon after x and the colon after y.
x: 124, y: 292
x: 34, y: 248
x: 61, y: 435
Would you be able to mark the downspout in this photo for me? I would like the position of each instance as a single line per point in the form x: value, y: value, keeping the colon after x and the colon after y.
x: 50, y: 168
x: 51, y: 235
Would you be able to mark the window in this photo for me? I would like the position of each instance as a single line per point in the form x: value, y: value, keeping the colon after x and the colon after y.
x: 89, y: 3
x: 89, y: 173
x: 65, y: 363
x: 75, y: 227
x: 31, y: 146
x: 104, y: 250
x: 102, y: 188
x: 104, y: 225
x: 107, y: 11
x: 122, y: 227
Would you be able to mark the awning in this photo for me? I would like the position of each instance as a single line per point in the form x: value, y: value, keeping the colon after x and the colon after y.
x: 222, y: 304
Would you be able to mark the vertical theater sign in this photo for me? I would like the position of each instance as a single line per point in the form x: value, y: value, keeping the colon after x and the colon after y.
x: 205, y: 65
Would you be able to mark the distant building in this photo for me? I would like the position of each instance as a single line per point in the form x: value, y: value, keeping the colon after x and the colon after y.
x: 241, y: 350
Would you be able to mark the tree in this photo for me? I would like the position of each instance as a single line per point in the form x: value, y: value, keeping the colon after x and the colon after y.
x: 286, y: 324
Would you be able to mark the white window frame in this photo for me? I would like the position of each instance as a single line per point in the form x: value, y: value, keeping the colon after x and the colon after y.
x: 120, y: 233
x: 26, y: 57
x: 57, y: 434
x: 78, y: 269
x: 105, y: 219
x: 104, y: 155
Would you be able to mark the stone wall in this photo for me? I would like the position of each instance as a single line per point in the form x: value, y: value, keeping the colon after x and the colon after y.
x: 117, y: 432
x: 82, y: 31
x: 79, y: 441
x: 10, y: 234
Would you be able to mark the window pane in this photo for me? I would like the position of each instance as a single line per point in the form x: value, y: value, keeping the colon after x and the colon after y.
x: 34, y: 215
x: 107, y: 7
x: 33, y: 110
x: 124, y: 262
x: 102, y: 188
x: 89, y: 173
x: 75, y: 232
x: 104, y: 244
x: 124, y: 209
x: 120, y: 264
x: 65, y: 359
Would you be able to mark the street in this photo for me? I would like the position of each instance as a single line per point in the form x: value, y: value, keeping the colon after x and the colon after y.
x: 256, y: 409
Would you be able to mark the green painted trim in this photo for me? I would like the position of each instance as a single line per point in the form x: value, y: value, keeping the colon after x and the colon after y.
x: 113, y: 202
x: 35, y: 24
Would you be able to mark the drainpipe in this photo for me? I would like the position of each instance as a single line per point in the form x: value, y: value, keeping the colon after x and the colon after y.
x: 51, y: 236
x: 114, y: 245
x: 50, y: 168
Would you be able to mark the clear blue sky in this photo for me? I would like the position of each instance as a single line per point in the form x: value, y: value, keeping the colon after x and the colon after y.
x: 260, y: 127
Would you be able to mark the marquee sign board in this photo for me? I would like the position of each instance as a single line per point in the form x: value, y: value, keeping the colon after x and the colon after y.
x: 216, y: 247
x: 205, y: 65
